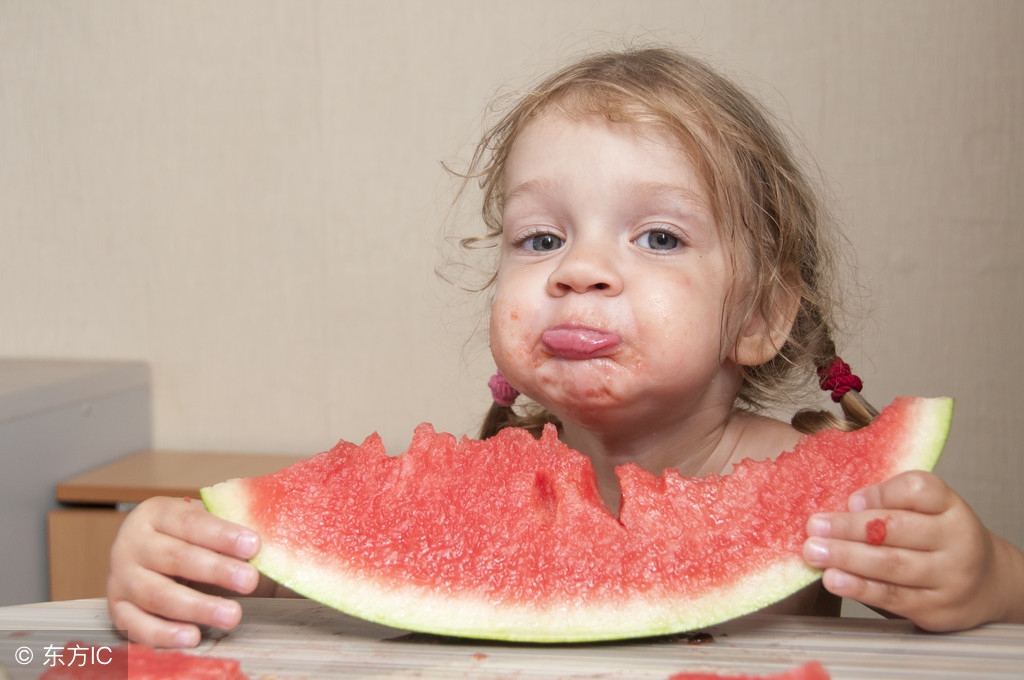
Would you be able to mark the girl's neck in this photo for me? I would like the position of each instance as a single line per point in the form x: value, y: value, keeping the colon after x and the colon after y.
x: 706, y: 443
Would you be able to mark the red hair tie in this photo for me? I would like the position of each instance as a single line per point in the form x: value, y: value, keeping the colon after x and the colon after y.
x: 502, y: 393
x: 838, y: 378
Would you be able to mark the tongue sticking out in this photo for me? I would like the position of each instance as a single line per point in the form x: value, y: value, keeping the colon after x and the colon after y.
x: 580, y: 343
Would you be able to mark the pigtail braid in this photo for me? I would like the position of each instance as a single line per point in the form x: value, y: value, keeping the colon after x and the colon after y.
x: 530, y: 417
x: 835, y: 375
x: 498, y: 418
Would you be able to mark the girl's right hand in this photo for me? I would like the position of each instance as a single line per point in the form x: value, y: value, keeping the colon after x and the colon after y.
x: 163, y: 542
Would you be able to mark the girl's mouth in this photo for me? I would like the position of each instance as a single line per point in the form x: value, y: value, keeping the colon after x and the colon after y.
x: 572, y: 342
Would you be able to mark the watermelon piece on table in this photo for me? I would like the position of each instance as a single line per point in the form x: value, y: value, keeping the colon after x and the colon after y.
x: 812, y: 670
x: 81, y: 661
x: 509, y: 539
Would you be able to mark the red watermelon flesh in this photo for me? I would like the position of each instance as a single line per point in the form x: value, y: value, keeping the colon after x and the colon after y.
x: 508, y: 538
x: 80, y: 661
x: 812, y: 670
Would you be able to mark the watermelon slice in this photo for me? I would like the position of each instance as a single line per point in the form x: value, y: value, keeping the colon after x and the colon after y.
x: 508, y: 538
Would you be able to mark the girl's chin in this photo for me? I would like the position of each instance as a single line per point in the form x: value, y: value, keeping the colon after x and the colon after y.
x: 583, y: 406
x: 573, y: 390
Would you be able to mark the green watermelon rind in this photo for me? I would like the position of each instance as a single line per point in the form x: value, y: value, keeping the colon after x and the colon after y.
x: 409, y: 606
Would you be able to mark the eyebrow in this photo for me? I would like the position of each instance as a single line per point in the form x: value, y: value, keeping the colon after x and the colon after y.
x: 532, y: 186
x: 657, y: 191
x: 646, y: 191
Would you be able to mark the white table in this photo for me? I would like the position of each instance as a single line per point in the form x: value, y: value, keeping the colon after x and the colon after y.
x: 288, y: 639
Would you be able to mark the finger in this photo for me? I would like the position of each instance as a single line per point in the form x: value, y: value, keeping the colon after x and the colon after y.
x: 873, y: 593
x: 915, y: 490
x: 154, y: 607
x: 898, y: 528
x: 898, y: 566
x: 166, y: 555
x: 146, y: 629
x: 152, y: 550
x: 191, y: 521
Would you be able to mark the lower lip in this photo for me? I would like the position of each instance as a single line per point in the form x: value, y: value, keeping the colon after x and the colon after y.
x: 580, y: 343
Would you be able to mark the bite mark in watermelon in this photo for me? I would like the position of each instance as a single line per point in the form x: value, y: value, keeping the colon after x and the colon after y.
x: 508, y: 538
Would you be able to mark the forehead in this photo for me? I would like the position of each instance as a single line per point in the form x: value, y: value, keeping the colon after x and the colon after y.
x: 558, y: 147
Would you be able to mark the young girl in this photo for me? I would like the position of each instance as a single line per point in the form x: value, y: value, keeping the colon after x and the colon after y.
x: 662, y: 277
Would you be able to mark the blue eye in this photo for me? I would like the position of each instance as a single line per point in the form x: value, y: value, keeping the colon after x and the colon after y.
x: 543, y: 243
x: 658, y: 240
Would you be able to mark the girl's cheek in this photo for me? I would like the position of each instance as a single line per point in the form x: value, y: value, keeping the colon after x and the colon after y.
x: 505, y: 323
x: 509, y: 333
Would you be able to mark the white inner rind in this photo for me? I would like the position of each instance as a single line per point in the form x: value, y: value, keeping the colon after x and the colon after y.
x: 931, y: 421
x: 414, y: 607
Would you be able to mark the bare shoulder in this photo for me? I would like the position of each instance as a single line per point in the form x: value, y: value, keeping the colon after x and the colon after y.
x: 761, y: 437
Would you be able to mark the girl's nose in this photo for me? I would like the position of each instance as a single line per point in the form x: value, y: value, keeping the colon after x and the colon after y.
x: 585, y: 267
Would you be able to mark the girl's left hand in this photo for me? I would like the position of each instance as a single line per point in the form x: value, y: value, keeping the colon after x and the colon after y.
x: 933, y: 563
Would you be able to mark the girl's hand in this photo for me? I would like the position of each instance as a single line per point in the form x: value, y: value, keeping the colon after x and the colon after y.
x: 911, y: 546
x: 163, y: 542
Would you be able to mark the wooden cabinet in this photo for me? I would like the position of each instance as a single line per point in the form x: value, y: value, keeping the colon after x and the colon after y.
x: 95, y: 503
x: 79, y: 542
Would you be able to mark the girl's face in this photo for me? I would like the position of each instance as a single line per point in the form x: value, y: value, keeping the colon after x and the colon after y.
x: 613, y: 281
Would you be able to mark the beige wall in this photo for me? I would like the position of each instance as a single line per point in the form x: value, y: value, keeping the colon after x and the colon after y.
x: 248, y: 195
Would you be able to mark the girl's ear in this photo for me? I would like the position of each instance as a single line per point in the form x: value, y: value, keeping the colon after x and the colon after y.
x: 761, y: 338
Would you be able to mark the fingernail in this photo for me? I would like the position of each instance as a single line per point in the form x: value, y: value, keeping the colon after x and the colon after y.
x: 818, y: 526
x: 246, y: 544
x: 815, y: 551
x: 837, y: 581
x: 858, y: 502
x: 242, y: 578
x: 186, y: 637
x: 225, y: 614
